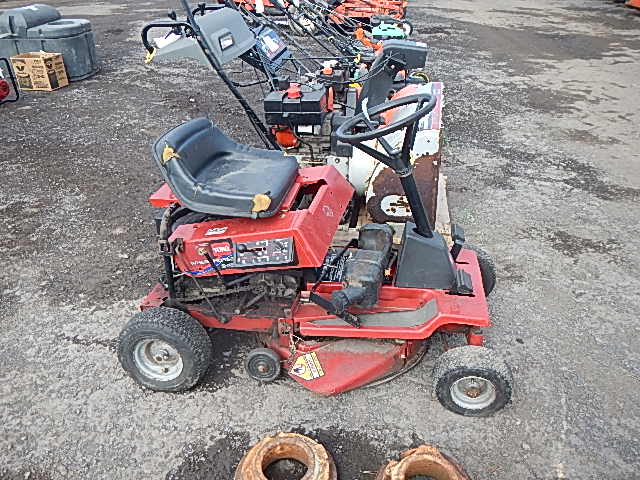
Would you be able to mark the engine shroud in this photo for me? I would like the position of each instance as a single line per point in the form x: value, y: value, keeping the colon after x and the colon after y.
x: 298, y: 236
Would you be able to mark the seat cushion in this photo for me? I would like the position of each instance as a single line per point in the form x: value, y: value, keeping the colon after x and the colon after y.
x: 210, y: 173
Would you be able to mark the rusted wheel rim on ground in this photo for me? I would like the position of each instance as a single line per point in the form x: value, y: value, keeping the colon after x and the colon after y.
x: 424, y: 460
x: 282, y: 446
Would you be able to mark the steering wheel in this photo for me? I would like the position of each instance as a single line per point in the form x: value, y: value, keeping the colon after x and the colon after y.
x: 426, y: 103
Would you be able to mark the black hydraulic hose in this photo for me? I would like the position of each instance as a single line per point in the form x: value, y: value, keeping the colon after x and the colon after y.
x: 203, y: 41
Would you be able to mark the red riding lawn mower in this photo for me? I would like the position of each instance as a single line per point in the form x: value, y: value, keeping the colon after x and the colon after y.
x: 336, y: 11
x: 247, y: 241
x: 9, y: 91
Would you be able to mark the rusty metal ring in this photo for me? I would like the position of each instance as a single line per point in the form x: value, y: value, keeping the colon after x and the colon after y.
x: 319, y: 463
x: 424, y: 460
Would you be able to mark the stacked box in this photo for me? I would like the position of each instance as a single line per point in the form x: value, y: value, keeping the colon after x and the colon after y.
x: 40, y: 71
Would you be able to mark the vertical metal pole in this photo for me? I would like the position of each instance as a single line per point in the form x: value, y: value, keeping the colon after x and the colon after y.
x: 417, y: 207
x: 408, y: 181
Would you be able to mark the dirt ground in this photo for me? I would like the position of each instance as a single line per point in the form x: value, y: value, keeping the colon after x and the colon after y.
x: 542, y: 154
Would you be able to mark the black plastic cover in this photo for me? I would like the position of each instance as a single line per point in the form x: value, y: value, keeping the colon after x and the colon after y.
x: 399, y: 54
x: 376, y: 236
x: 308, y: 109
x: 364, y: 273
x: 337, y: 79
x: 337, y: 147
x: 424, y: 262
x: 269, y: 53
x: 364, y: 269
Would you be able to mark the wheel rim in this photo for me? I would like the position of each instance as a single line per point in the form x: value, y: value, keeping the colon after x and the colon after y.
x: 158, y: 360
x: 473, y: 393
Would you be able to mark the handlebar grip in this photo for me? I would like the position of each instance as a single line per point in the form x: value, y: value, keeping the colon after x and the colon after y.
x: 146, y: 28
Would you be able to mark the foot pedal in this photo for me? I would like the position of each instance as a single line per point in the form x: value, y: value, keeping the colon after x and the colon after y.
x: 457, y: 235
x: 464, y: 284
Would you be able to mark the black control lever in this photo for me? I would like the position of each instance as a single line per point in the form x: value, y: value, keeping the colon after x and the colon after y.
x: 216, y: 269
x: 328, y: 305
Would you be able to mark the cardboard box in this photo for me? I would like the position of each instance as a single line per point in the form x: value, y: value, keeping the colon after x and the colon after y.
x: 40, y: 71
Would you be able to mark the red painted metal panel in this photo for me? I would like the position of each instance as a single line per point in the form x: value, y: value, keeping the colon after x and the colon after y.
x: 451, y: 309
x: 333, y: 367
x: 312, y: 228
x: 163, y: 197
x: 155, y: 298
x: 237, y: 322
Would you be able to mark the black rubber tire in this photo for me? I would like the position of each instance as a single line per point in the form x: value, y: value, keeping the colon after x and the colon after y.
x: 474, y: 361
x: 263, y: 358
x: 182, y: 332
x: 487, y: 269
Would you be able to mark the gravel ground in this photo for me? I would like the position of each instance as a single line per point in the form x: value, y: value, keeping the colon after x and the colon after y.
x: 544, y: 171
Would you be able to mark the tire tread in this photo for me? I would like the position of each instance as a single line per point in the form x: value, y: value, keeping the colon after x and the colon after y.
x: 177, y: 324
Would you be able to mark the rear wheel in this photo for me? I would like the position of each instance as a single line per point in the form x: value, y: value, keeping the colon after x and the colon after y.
x: 487, y: 269
x: 164, y: 349
x: 472, y: 381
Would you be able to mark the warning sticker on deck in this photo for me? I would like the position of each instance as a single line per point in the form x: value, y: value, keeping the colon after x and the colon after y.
x: 307, y: 367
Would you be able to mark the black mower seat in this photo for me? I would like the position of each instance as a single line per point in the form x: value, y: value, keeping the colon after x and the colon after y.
x: 210, y: 173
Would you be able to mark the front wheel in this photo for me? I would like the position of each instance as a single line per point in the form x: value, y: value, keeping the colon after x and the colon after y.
x: 164, y: 349
x: 472, y: 381
x: 263, y: 364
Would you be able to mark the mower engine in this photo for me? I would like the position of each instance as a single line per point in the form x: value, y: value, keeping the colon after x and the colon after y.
x: 303, y: 116
x: 301, y: 106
